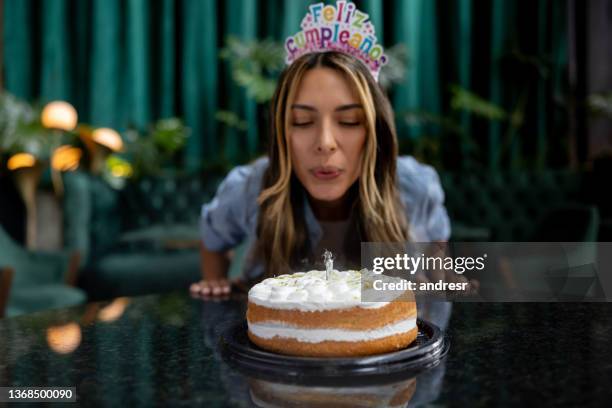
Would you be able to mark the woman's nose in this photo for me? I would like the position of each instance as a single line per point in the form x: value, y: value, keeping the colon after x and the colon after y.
x: 326, y: 142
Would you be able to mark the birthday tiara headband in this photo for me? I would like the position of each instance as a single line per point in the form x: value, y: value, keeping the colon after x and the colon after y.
x: 341, y: 28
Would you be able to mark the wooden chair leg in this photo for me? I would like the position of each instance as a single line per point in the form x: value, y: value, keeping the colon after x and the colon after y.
x: 6, y: 278
x: 73, y: 269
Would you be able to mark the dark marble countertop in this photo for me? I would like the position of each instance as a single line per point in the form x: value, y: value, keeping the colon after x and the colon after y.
x: 163, y: 350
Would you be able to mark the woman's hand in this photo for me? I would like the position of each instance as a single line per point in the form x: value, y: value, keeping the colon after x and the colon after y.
x: 219, y: 289
x: 215, y: 284
x: 212, y: 288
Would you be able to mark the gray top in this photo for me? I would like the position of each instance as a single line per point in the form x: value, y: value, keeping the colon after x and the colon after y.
x: 231, y: 217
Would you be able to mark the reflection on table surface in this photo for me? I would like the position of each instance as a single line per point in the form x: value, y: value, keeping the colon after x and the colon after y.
x: 264, y: 393
x: 163, y: 349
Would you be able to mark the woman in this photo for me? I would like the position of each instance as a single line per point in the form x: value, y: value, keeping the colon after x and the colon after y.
x: 332, y: 180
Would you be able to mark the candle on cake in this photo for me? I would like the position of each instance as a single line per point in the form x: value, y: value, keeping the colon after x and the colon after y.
x: 328, y: 260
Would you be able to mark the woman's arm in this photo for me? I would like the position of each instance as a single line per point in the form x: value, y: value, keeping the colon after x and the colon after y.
x: 214, y: 267
x: 226, y: 221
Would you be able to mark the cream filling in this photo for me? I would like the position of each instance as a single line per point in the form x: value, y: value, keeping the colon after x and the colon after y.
x: 268, y: 330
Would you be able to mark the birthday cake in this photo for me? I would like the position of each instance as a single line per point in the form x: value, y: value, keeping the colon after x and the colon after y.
x: 321, y: 314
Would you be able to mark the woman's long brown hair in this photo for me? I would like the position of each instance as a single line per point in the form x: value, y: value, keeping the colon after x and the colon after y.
x: 282, y: 237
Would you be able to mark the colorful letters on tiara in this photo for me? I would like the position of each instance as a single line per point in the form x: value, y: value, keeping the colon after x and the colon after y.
x: 342, y: 28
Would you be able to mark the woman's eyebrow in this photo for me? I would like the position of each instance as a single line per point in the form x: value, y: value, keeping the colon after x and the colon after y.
x: 304, y: 107
x: 349, y: 107
x: 338, y: 109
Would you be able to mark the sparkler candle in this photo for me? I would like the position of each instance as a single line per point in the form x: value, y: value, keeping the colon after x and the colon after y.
x: 329, y: 263
x: 341, y: 28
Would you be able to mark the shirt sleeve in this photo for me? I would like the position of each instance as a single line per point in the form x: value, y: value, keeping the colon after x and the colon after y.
x: 225, y: 221
x: 423, y: 196
x: 437, y: 221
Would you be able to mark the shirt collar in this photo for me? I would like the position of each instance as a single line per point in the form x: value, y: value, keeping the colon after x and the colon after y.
x: 315, y: 232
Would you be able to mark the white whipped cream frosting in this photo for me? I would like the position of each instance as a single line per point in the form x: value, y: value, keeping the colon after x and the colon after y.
x: 311, y: 291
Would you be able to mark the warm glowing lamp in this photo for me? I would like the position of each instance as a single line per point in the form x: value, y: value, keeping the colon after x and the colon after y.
x: 109, y: 138
x: 66, y: 158
x: 20, y: 161
x: 59, y: 115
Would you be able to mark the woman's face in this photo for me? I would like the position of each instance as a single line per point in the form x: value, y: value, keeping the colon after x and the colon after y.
x: 327, y: 132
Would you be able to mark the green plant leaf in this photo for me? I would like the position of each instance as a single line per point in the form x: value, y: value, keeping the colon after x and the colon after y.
x: 465, y: 100
x: 257, y: 86
x: 394, y: 71
x: 419, y: 117
x: 600, y: 104
x: 21, y: 129
x: 169, y: 135
x: 231, y: 120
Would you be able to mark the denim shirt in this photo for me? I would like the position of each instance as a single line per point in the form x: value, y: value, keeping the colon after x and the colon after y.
x: 231, y: 217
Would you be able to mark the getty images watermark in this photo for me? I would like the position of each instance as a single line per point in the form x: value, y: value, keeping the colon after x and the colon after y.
x: 412, y: 264
x: 488, y: 271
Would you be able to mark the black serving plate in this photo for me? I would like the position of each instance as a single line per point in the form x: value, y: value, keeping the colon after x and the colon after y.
x: 430, y: 346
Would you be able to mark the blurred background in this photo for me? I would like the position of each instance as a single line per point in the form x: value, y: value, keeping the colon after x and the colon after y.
x: 118, y: 119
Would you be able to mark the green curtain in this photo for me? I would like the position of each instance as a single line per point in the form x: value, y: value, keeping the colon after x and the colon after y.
x: 128, y: 62
x: 415, y: 23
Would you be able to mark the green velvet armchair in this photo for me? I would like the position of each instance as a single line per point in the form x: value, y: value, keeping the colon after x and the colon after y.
x: 139, y: 240
x: 40, y: 280
x: 518, y: 205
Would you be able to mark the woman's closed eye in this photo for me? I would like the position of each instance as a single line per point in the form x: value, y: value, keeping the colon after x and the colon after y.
x: 302, y: 123
x: 350, y: 123
x: 349, y: 120
x: 302, y: 120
